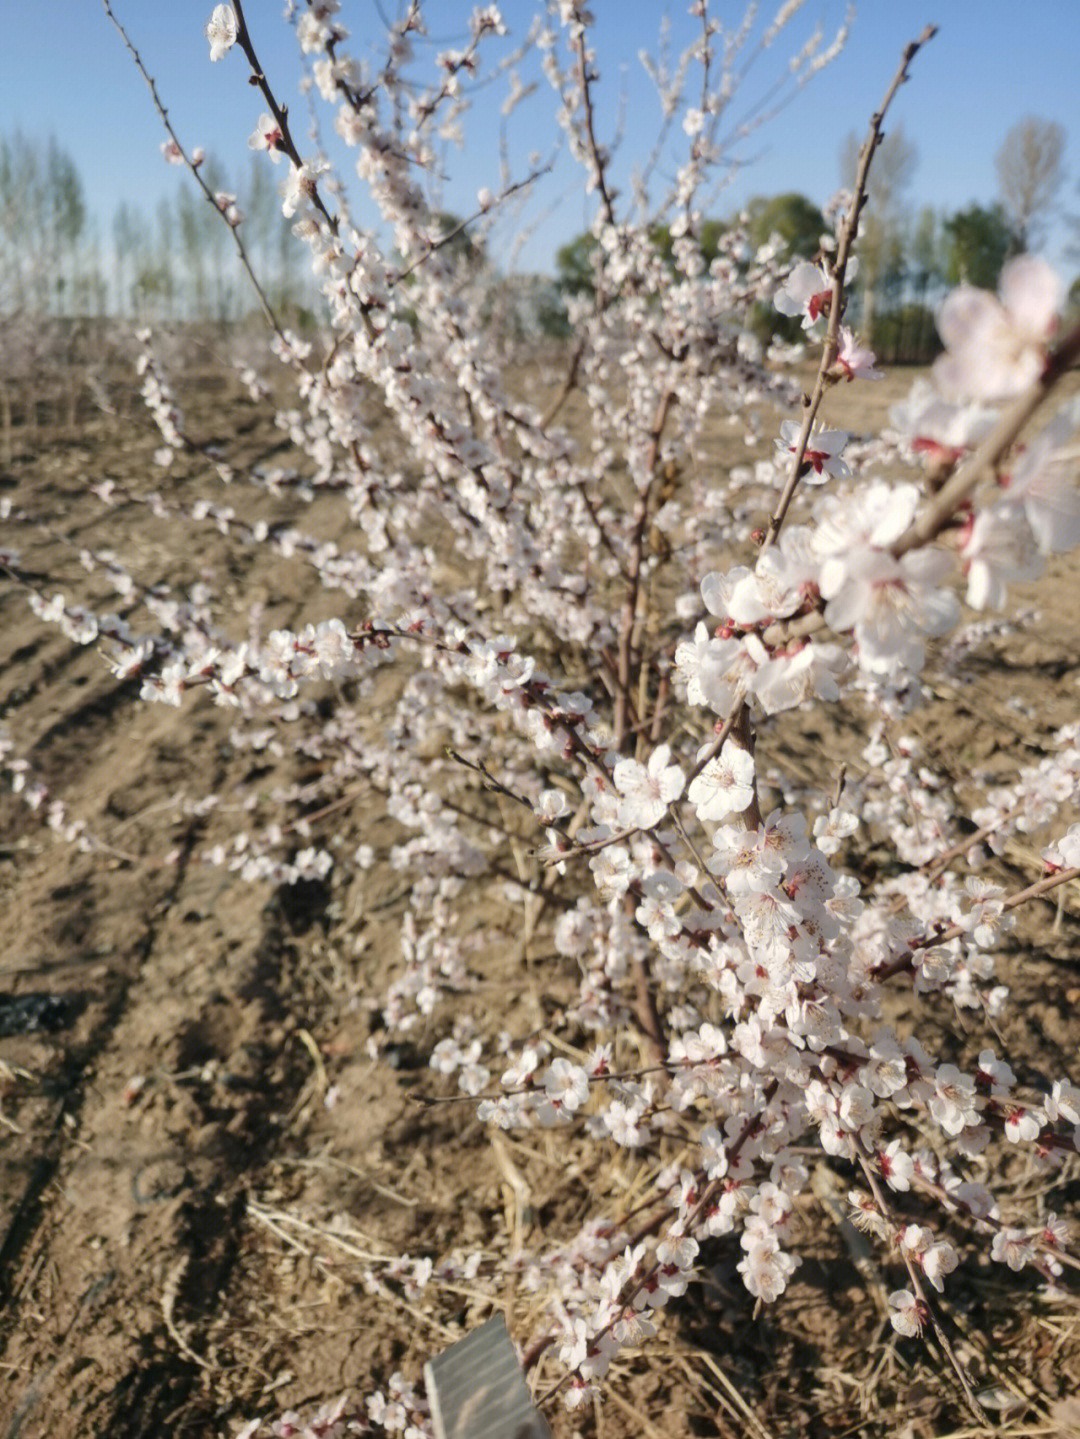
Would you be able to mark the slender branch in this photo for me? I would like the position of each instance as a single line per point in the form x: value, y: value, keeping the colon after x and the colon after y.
x: 905, y: 961
x: 646, y: 1010
x: 279, y: 112
x: 448, y: 236
x: 264, y: 303
x: 624, y: 672
x: 974, y: 1407
x: 585, y: 80
x: 569, y: 384
x: 846, y: 239
x: 940, y: 863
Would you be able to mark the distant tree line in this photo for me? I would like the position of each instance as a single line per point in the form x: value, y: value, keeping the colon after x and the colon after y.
x: 176, y: 263
x: 908, y: 259
x: 906, y: 267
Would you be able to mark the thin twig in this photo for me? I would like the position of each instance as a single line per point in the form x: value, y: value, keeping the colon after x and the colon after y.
x: 264, y: 303
x: 846, y: 239
x: 279, y: 112
x: 905, y: 961
x: 628, y: 619
x: 974, y: 1407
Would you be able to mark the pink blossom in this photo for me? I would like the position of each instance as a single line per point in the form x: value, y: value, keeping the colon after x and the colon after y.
x: 299, y: 188
x: 226, y: 203
x: 566, y: 1084
x: 896, y: 1166
x: 806, y: 672
x: 906, y: 1313
x: 998, y: 549
x: 996, y: 1073
x: 953, y: 1102
x: 1013, y: 1247
x: 1023, y: 1124
x: 938, y: 428
x: 1064, y: 853
x: 890, y: 604
x: 822, y: 451
x: 726, y: 784
x: 267, y: 136
x: 718, y: 672
x: 807, y: 291
x: 766, y: 1269
x: 937, y: 1261
x: 855, y: 361
x: 1044, y: 483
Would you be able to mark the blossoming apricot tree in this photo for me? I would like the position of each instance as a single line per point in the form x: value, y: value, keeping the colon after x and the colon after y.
x: 580, y: 595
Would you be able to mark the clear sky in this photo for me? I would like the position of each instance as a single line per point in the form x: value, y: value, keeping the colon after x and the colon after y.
x: 993, y: 62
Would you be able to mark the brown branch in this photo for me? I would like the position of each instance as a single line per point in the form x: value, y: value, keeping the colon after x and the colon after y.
x: 973, y: 1405
x: 585, y: 79
x: 624, y: 670
x: 905, y: 961
x: 940, y: 863
x: 279, y: 112
x: 568, y: 386
x: 846, y: 239
x: 264, y: 303
x: 462, y: 226
x: 646, y: 1009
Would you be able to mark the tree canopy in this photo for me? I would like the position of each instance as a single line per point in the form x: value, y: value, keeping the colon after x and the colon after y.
x: 797, y: 220
x: 978, y: 240
x: 1030, y: 173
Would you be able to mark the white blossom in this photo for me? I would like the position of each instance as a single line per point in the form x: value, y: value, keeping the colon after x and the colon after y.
x: 647, y: 790
x: 996, y: 345
x: 221, y: 31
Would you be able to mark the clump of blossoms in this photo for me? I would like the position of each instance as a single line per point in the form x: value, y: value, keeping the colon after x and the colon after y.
x: 731, y: 971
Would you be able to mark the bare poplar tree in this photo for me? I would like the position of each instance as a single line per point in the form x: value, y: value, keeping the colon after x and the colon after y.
x: 1030, y: 172
x: 881, y: 229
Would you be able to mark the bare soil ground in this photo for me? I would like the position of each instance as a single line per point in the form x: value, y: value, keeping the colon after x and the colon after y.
x: 202, y: 1169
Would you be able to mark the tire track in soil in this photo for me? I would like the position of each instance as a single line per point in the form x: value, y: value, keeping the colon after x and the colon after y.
x: 175, y: 1220
x: 27, y: 1240
x: 119, y: 1261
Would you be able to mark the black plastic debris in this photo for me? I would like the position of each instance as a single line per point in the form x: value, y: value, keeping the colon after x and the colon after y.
x: 37, y: 1013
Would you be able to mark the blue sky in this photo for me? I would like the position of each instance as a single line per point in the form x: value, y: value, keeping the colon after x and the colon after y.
x: 993, y: 62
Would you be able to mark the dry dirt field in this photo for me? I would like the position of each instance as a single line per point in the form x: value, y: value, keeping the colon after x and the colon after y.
x: 202, y: 1169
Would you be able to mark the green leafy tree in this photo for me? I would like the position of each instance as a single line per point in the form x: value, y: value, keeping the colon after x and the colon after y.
x: 926, y: 252
x: 978, y: 240
x: 574, y: 271
x: 797, y: 220
x: 42, y: 217
x: 64, y: 217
